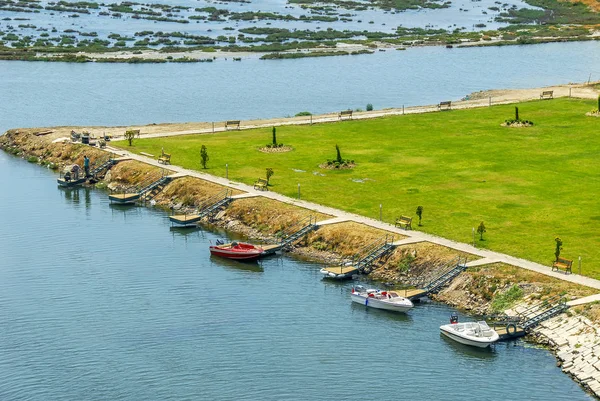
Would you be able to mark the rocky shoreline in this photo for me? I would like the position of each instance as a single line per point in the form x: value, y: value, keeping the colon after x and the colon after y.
x: 574, y: 338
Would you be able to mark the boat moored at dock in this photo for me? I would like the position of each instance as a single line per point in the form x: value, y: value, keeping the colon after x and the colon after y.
x: 387, y: 300
x: 237, y: 251
x: 476, y: 334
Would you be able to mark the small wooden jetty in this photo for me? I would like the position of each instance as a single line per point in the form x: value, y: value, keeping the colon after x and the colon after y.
x: 340, y: 272
x: 509, y: 331
x: 185, y: 220
x: 124, y: 199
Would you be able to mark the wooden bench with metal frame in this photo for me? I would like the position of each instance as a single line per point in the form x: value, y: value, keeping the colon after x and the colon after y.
x: 165, y: 158
x: 447, y: 105
x: 232, y: 124
x: 345, y: 113
x: 261, y: 184
x: 563, y: 264
x: 404, y: 221
x: 547, y: 95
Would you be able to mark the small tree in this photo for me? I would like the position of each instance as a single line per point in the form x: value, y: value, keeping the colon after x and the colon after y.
x: 204, y: 156
x: 369, y: 107
x: 516, y: 113
x: 339, y: 155
x: 274, y: 136
x: 420, y: 213
x: 270, y: 173
x: 480, y: 230
x: 130, y: 135
x: 558, y: 247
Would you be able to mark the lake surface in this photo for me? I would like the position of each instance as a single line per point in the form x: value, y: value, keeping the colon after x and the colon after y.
x: 464, y: 14
x: 48, y: 94
x: 107, y: 303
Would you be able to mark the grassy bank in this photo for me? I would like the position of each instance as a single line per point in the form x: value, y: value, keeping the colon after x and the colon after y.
x: 529, y: 185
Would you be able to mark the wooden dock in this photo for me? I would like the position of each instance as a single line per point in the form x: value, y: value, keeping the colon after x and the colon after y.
x: 270, y: 249
x: 339, y: 272
x: 506, y: 334
x: 185, y: 220
x: 124, y: 199
x: 412, y: 294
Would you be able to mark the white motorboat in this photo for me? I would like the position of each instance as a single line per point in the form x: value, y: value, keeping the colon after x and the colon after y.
x: 388, y: 300
x: 476, y: 334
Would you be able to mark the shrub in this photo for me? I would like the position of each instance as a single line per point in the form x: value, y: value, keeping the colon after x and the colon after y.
x: 505, y: 300
x: 369, y: 107
x: 303, y: 113
x: 32, y: 159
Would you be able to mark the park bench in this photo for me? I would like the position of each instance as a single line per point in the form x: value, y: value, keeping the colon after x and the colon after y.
x: 234, y: 124
x: 165, y: 158
x: 261, y: 184
x: 547, y: 95
x: 404, y: 221
x: 562, y: 264
x: 447, y: 105
x: 345, y: 113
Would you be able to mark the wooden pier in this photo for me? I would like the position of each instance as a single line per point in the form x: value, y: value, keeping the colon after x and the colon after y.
x: 124, y: 199
x: 509, y: 331
x: 185, y: 220
x: 339, y: 272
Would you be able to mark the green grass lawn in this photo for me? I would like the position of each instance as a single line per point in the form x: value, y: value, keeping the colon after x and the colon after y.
x: 529, y: 185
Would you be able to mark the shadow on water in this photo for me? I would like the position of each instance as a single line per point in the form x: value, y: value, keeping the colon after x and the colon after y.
x: 462, y: 350
x: 252, y: 265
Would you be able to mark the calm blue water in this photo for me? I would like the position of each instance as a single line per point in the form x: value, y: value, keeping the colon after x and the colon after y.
x: 50, y: 94
x: 106, y: 303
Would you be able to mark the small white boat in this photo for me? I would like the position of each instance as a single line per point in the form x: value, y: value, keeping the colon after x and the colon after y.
x: 388, y: 300
x: 476, y: 334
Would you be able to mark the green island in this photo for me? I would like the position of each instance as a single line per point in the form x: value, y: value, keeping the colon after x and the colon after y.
x: 529, y: 185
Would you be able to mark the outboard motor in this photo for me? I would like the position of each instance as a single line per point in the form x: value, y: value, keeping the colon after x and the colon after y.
x: 220, y: 242
x: 454, y: 318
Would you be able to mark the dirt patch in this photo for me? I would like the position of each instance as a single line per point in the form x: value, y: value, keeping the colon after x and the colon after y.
x: 476, y: 288
x: 279, y: 149
x: 345, y: 239
x: 337, y: 166
x: 267, y: 216
x: 517, y: 124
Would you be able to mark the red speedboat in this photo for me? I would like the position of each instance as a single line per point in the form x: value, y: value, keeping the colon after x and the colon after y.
x: 237, y: 251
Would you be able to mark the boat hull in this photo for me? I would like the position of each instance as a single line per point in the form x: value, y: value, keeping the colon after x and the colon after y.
x: 379, y: 304
x: 479, y: 343
x: 71, y: 183
x: 236, y: 255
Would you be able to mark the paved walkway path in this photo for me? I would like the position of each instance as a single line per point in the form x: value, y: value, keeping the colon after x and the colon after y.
x: 415, y: 236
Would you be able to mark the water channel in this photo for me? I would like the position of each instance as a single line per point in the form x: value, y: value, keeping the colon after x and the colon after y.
x: 48, y: 94
x: 107, y: 303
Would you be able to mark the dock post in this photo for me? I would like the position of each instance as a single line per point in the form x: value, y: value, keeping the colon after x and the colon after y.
x: 298, y: 190
x: 213, y: 127
x: 580, y: 265
x: 380, y: 206
x: 569, y: 91
x: 226, y: 170
x: 402, y: 109
x: 473, y: 237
